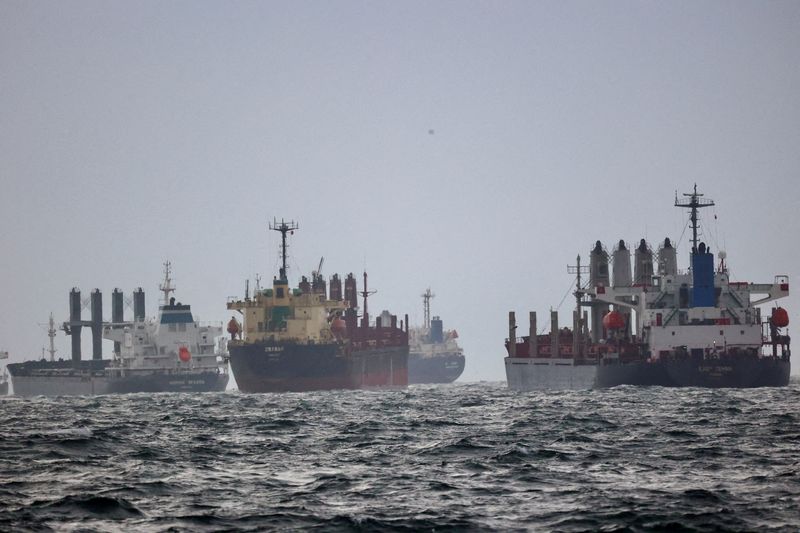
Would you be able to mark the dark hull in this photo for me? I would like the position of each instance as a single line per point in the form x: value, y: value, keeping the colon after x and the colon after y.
x: 64, y: 378
x: 183, y: 382
x: 3, y: 388
x: 263, y: 367
x: 745, y: 372
x: 443, y: 368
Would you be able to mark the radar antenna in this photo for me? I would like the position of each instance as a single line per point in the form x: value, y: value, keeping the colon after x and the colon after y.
x: 283, y: 227
x: 694, y: 202
x: 167, y: 287
x: 365, y: 293
x: 426, y: 299
x: 51, y: 332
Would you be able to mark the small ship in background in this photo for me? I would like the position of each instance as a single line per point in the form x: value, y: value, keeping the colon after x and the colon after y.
x: 3, y: 376
x: 305, y: 339
x: 171, y: 354
x: 434, y: 355
x: 694, y: 328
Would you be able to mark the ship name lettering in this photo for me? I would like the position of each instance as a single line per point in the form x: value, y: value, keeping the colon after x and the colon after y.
x: 715, y: 369
x: 273, y: 349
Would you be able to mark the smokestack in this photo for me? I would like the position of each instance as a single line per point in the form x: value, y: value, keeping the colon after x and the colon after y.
x: 336, y: 288
x: 643, y: 265
x: 116, y: 314
x: 667, y: 259
x: 74, y: 323
x: 598, y: 275
x: 351, y: 291
x: 622, y: 266
x: 554, y: 346
x: 512, y: 334
x: 138, y: 305
x: 97, y: 324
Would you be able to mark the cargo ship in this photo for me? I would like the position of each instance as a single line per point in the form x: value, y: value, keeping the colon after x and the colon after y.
x: 661, y: 326
x: 434, y: 354
x: 305, y: 339
x: 170, y: 354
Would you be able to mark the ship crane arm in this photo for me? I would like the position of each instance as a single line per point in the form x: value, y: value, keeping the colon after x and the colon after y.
x: 772, y: 291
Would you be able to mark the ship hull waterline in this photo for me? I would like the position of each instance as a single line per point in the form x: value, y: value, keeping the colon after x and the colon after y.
x: 92, y: 378
x: 441, y: 368
x: 262, y: 367
x: 528, y: 374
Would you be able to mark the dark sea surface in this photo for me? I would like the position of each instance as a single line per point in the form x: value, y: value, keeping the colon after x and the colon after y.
x: 456, y: 457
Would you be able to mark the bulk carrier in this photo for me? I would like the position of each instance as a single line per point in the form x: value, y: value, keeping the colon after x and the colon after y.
x: 661, y: 326
x: 304, y: 339
x: 434, y: 354
x: 171, y: 354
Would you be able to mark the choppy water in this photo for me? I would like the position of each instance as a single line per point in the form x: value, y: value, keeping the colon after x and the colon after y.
x: 473, y: 456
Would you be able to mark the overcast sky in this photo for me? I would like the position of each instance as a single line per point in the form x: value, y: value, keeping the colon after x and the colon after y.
x: 472, y: 147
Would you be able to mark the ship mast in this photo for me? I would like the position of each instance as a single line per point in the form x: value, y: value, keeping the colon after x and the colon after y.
x: 577, y: 269
x: 426, y: 298
x: 51, y: 332
x: 365, y: 293
x: 694, y: 202
x: 283, y: 227
x: 167, y: 287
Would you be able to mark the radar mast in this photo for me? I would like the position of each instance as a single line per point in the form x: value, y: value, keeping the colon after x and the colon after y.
x: 283, y: 227
x: 693, y: 201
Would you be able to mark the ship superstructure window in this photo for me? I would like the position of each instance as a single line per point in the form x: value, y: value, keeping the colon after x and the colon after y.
x: 279, y: 292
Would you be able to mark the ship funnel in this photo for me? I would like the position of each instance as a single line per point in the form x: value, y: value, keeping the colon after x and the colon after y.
x: 318, y: 285
x: 138, y: 305
x: 97, y: 324
x: 304, y: 285
x: 437, y: 330
x: 116, y: 314
x: 75, y: 323
x: 703, y: 291
x: 643, y: 265
x: 598, y: 266
x: 351, y: 291
x: 336, y: 288
x: 622, y: 266
x: 598, y: 275
x: 667, y: 259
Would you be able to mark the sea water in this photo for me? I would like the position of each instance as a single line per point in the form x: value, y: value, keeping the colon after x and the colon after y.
x: 455, y: 457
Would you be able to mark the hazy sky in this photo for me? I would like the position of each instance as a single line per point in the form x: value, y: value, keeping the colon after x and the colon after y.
x: 135, y: 132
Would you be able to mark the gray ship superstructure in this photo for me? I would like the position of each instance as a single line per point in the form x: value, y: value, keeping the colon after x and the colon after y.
x: 434, y: 354
x: 172, y: 353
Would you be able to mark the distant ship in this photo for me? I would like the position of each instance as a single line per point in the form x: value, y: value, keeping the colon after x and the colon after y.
x: 171, y: 354
x: 305, y: 339
x: 435, y: 356
x: 694, y: 328
x: 4, y: 376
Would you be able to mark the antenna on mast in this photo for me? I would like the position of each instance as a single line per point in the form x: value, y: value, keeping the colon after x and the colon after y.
x: 365, y: 293
x: 167, y: 287
x: 426, y: 299
x: 694, y: 202
x: 51, y: 332
x: 578, y: 269
x: 283, y: 227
